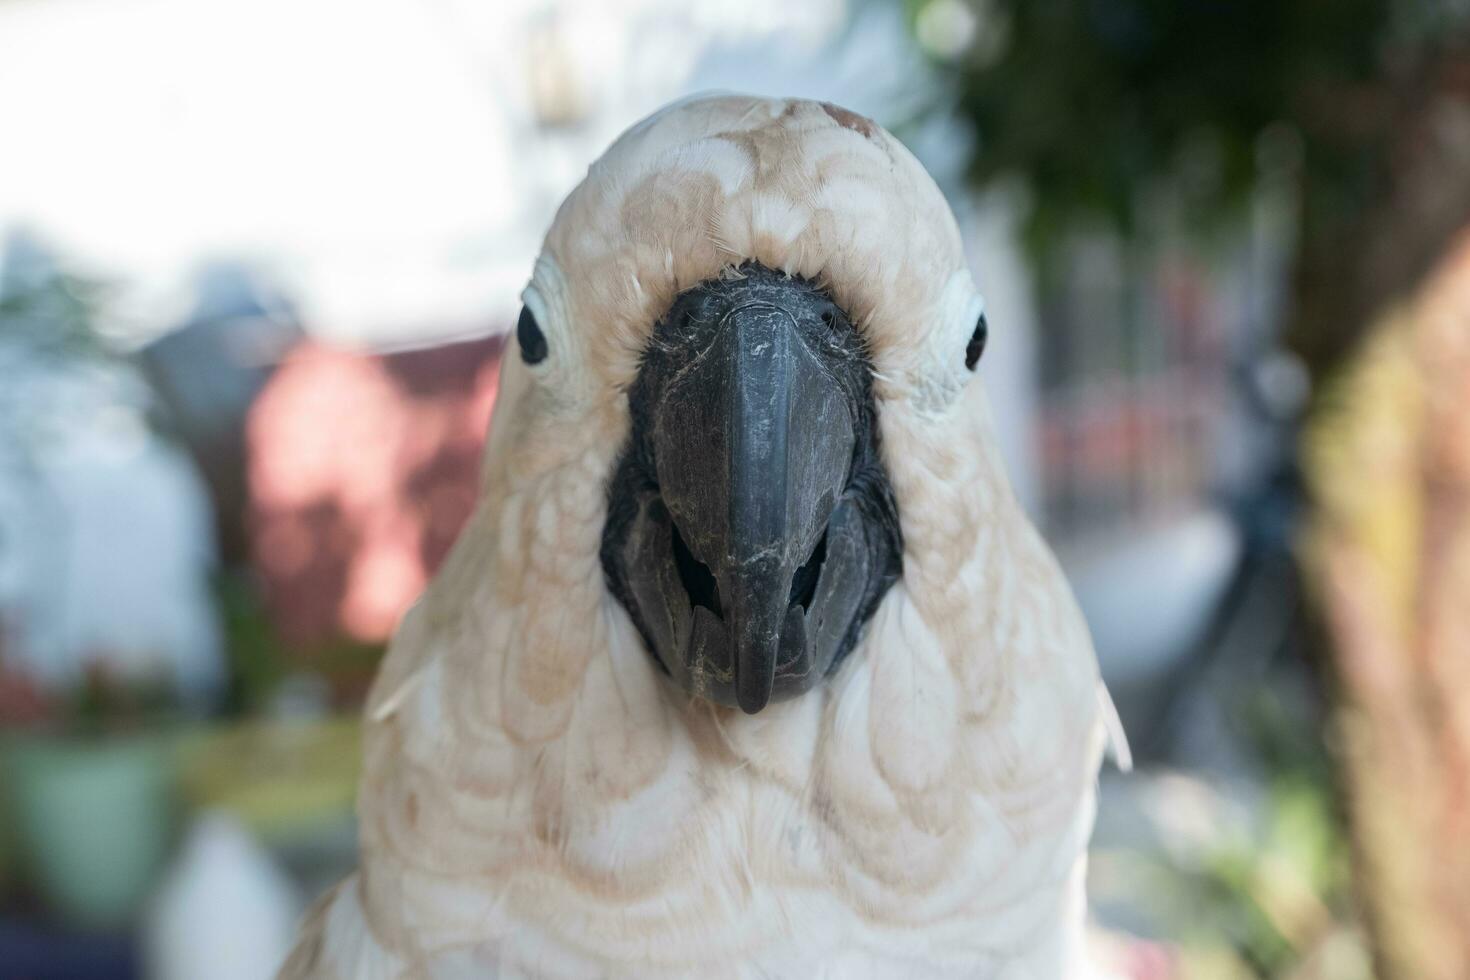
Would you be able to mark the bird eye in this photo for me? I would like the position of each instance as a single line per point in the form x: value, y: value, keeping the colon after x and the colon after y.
x: 530, y: 337
x: 976, y: 346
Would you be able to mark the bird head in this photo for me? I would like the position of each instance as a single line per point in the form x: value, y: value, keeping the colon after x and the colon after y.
x: 728, y: 314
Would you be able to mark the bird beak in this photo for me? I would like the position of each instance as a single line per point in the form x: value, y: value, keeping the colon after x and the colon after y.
x: 754, y: 444
x: 749, y: 419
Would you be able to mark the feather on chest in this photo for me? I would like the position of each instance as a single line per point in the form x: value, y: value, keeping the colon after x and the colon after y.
x: 919, y: 805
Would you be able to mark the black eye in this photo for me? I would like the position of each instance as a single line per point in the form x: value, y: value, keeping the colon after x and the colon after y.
x: 976, y: 346
x: 530, y: 337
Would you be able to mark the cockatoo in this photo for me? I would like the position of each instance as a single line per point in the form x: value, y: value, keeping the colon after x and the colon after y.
x: 748, y: 663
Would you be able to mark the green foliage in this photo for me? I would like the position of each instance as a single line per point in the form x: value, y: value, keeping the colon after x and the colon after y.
x: 1244, y: 871
x: 257, y: 662
x: 260, y: 661
x: 53, y: 316
x: 1277, y: 896
x: 1098, y: 103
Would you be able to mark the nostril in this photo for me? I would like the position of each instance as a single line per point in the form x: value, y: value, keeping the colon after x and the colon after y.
x: 698, y: 580
x: 804, y: 582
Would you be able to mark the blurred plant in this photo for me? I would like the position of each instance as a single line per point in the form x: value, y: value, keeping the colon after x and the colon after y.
x: 58, y: 367
x: 1287, y: 890
x: 105, y: 704
x: 101, y: 705
x: 1100, y: 106
x: 1261, y: 891
x: 261, y: 663
x: 46, y: 309
x: 257, y: 663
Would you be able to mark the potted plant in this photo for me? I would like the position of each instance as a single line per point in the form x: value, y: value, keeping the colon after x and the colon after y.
x: 90, y: 796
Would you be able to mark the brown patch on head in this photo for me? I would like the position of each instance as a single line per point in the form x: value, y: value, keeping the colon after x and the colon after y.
x: 769, y: 148
x: 848, y: 119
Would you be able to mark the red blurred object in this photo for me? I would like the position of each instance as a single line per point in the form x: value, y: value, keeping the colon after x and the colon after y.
x: 362, y: 470
x: 22, y: 703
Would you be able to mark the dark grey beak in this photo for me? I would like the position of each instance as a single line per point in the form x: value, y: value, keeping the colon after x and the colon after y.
x: 753, y: 446
x: 737, y: 535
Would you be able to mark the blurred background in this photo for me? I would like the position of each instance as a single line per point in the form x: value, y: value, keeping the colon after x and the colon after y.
x: 256, y: 263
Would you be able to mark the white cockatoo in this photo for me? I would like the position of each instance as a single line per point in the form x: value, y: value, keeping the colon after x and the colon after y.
x: 748, y: 663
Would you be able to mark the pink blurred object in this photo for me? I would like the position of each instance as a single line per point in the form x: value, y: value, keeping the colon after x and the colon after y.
x: 362, y: 470
x: 1118, y: 956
